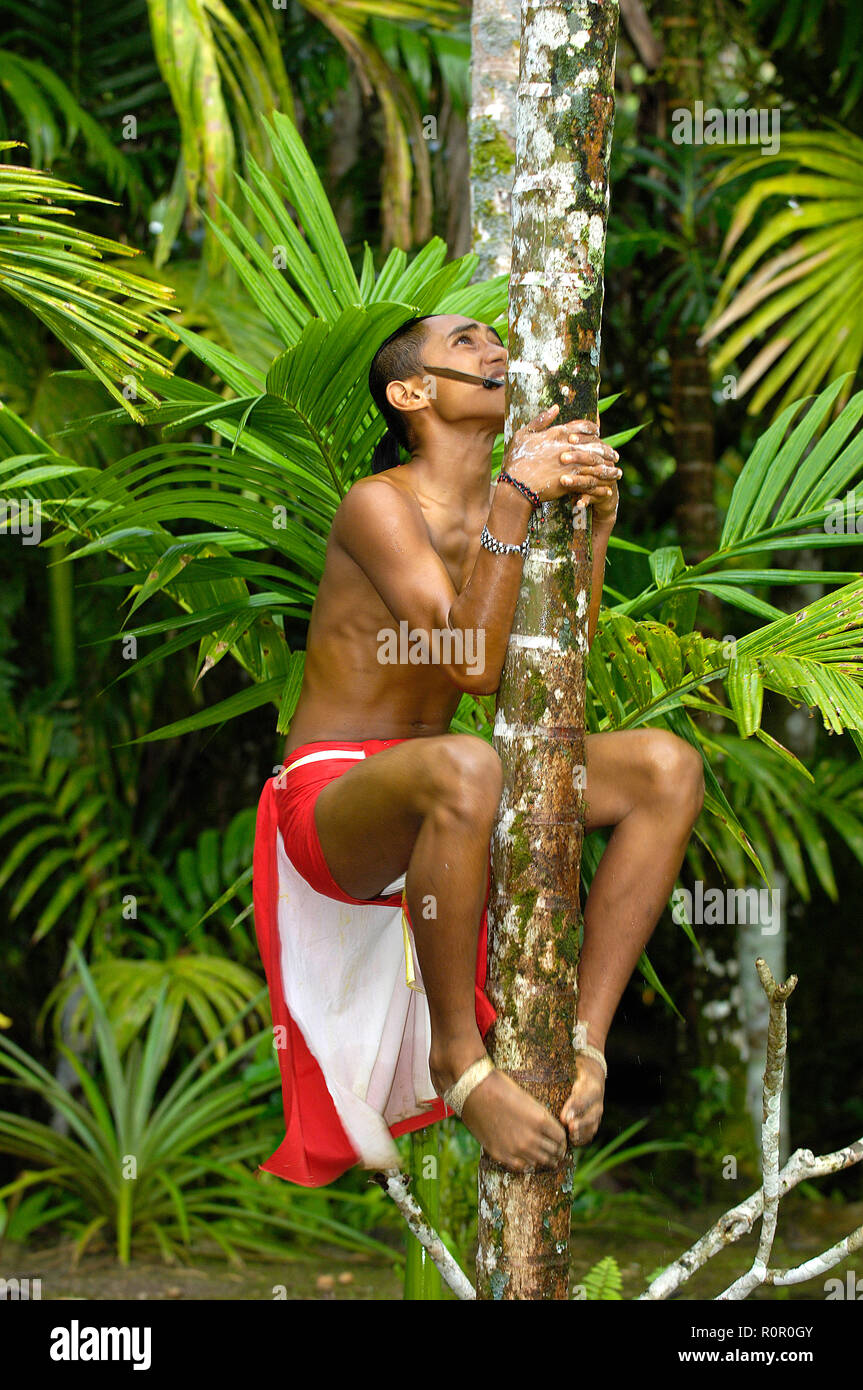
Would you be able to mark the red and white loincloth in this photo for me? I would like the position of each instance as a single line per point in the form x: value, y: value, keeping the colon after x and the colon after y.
x: 351, y: 1021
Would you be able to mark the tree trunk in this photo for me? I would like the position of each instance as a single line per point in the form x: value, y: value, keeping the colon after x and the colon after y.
x: 495, y: 40
x: 687, y: 78
x: 559, y: 206
x: 344, y: 150
x: 755, y: 1010
x: 452, y: 188
x: 692, y: 413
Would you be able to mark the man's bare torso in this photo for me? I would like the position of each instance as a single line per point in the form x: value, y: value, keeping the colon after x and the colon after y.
x: 347, y: 693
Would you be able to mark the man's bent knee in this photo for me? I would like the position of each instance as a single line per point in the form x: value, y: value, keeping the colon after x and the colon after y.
x: 676, y: 770
x: 465, y: 775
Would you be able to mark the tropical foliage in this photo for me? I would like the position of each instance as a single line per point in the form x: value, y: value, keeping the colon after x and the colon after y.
x: 288, y: 451
x: 214, y: 70
x: 187, y: 470
x: 155, y: 1162
x: 98, y: 311
x: 796, y: 288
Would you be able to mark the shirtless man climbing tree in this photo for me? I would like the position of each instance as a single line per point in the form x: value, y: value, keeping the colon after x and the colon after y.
x: 405, y: 547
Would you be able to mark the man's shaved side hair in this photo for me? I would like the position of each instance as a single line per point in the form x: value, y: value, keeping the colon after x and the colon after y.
x: 399, y: 357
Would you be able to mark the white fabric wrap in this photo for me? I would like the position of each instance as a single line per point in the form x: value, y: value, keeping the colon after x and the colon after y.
x: 343, y: 976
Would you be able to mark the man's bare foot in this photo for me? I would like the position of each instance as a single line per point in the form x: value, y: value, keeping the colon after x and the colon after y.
x: 582, y: 1110
x: 513, y: 1128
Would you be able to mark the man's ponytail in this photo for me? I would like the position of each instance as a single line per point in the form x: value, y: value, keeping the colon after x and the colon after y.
x: 386, y: 454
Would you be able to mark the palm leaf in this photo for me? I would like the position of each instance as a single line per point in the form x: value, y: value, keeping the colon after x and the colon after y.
x: 221, y: 71
x: 59, y: 273
x: 790, y: 495
x: 68, y: 859
x: 53, y: 120
x: 785, y: 811
x: 801, y: 301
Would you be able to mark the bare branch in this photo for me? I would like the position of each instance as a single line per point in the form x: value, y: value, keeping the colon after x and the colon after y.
x: 395, y: 1185
x: 774, y: 1076
x: 765, y: 1202
x: 802, y: 1165
x: 649, y: 48
x: 819, y: 1264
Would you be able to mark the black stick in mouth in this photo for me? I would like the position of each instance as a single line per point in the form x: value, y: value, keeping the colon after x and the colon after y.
x: 488, y: 382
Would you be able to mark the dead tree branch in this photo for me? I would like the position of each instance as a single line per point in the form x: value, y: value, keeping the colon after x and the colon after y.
x: 395, y: 1184
x: 765, y: 1202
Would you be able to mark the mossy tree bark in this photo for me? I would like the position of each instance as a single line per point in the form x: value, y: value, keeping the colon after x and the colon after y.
x: 560, y: 198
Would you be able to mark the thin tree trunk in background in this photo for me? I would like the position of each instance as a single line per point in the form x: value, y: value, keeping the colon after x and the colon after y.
x: 343, y: 151
x: 559, y: 206
x: 62, y: 605
x: 692, y: 415
x: 798, y: 731
x: 713, y: 1043
x: 755, y: 1010
x: 495, y: 39
x: 691, y: 386
x: 454, y: 194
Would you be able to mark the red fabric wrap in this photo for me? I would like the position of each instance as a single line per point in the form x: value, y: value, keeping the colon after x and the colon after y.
x: 316, y: 1149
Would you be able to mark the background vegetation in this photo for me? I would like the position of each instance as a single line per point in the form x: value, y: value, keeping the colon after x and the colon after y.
x: 271, y: 168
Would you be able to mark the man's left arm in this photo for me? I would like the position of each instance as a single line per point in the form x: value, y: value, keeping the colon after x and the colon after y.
x: 602, y: 497
x: 601, y: 532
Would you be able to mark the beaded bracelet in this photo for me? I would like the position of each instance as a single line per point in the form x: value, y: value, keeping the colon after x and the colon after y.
x: 532, y: 497
x: 490, y: 542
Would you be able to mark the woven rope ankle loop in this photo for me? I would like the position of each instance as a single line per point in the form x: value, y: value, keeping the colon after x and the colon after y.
x: 582, y: 1045
x: 457, y: 1094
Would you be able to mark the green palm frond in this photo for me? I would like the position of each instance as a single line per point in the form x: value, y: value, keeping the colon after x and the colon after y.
x: 644, y: 669
x: 675, y: 237
x: 794, y: 492
x: 162, y: 926
x: 382, y: 40
x: 63, y: 855
x: 222, y: 68
x: 804, y: 268
x: 642, y: 673
x: 788, y: 495
x: 206, y: 989
x: 787, y: 811
x: 216, y: 312
x: 102, y: 47
x: 209, y: 882
x: 52, y: 120
x: 60, y: 273
x: 420, y: 47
